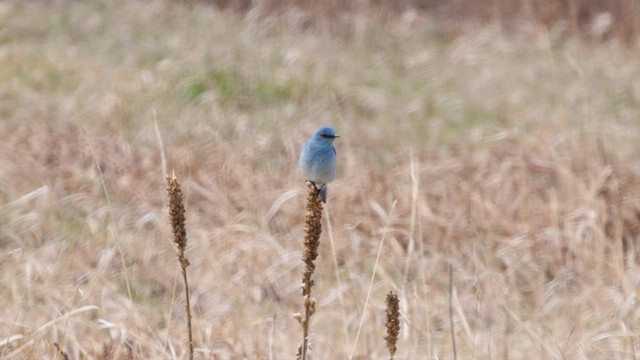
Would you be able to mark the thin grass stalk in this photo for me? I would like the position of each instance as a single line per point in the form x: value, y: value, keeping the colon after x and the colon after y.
x: 111, y: 215
x: 393, y: 323
x: 312, y: 230
x: 453, y: 333
x: 177, y: 214
x: 373, y: 276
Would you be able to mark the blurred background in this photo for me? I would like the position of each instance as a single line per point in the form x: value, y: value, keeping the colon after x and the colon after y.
x: 599, y: 19
x: 497, y: 137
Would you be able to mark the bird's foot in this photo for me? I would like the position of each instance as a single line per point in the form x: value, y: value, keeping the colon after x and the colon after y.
x: 321, y: 191
x: 314, y: 185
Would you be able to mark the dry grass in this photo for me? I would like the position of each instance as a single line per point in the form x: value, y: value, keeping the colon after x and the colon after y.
x: 511, y: 159
x: 592, y: 19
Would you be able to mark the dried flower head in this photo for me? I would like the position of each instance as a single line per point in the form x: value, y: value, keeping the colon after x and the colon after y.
x: 176, y: 212
x: 312, y: 230
x: 392, y: 323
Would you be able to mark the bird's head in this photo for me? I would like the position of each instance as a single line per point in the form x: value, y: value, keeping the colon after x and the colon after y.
x: 326, y: 134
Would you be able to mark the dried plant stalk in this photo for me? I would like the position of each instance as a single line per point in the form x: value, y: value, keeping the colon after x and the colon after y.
x: 177, y: 214
x: 453, y: 332
x: 62, y: 353
x: 312, y: 230
x: 392, y: 323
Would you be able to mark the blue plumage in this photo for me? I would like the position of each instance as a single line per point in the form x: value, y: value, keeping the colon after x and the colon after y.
x: 318, y: 159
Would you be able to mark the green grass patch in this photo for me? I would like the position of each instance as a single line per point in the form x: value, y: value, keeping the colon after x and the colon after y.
x: 225, y: 83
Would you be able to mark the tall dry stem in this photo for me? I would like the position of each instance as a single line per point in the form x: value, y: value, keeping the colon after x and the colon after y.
x: 312, y: 230
x: 177, y: 214
x: 453, y: 333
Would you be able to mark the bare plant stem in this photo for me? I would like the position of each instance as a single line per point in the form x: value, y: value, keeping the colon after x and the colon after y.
x: 177, y: 214
x: 312, y: 230
x: 453, y: 335
x: 183, y: 264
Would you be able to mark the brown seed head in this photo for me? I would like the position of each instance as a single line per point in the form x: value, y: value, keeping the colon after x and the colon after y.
x: 176, y: 212
x: 312, y: 230
x: 392, y: 323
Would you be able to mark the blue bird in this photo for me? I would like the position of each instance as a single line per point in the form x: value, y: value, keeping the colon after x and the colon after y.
x: 318, y: 160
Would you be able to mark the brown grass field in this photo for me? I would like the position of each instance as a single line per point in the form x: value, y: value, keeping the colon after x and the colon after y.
x: 510, y: 156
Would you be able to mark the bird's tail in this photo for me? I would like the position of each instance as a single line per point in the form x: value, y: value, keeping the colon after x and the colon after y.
x: 323, y: 193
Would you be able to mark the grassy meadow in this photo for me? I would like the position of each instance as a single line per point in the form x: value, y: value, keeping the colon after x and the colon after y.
x: 511, y: 157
